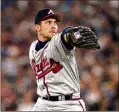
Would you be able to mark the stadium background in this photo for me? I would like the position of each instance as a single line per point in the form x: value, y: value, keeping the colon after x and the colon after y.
x: 98, y: 69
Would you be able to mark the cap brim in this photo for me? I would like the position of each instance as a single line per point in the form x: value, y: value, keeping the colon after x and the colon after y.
x: 55, y: 16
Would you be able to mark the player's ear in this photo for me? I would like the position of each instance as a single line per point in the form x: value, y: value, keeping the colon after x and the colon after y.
x: 37, y: 27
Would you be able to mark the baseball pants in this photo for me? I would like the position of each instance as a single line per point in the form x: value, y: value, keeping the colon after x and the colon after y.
x: 68, y: 105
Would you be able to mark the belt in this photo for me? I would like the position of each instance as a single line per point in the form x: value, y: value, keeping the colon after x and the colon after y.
x: 60, y: 98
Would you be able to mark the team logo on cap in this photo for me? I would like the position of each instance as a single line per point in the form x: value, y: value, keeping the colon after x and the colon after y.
x: 50, y: 12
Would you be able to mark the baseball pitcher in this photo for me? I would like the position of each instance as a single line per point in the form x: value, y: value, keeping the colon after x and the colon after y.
x: 52, y: 58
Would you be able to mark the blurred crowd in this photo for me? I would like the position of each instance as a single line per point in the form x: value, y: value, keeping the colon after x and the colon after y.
x: 98, y: 69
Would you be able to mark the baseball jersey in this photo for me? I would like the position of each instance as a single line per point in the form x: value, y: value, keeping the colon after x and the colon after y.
x: 55, y: 68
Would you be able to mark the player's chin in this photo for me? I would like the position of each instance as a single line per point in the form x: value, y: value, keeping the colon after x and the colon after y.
x: 52, y: 34
x: 49, y: 37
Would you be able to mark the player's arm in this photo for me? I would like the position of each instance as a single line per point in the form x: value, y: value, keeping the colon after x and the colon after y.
x: 81, y: 37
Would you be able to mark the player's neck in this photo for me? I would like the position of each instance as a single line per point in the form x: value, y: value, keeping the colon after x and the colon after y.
x: 41, y: 38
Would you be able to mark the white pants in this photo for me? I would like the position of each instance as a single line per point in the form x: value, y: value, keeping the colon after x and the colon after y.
x: 72, y: 105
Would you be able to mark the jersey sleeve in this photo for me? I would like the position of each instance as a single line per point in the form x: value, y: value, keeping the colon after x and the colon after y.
x: 57, y: 50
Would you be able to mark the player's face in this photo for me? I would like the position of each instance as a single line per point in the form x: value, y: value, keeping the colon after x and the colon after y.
x: 48, y: 28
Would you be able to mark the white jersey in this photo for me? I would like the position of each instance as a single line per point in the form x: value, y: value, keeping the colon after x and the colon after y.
x: 55, y: 68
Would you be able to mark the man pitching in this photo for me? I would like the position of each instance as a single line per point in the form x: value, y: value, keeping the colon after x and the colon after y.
x: 53, y: 60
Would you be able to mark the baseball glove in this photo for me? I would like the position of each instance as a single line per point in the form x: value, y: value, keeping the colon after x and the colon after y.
x: 81, y: 37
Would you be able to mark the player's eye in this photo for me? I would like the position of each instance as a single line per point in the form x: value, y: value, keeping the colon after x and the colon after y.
x: 52, y: 22
x: 49, y: 22
x: 56, y: 22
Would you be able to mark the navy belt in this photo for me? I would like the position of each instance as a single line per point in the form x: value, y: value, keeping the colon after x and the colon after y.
x: 58, y: 98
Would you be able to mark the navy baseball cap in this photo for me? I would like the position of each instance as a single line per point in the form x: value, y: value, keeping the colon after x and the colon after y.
x: 46, y: 14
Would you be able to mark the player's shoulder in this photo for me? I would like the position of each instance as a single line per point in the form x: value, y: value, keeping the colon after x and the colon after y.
x: 56, y: 37
x: 33, y: 44
x: 32, y: 47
